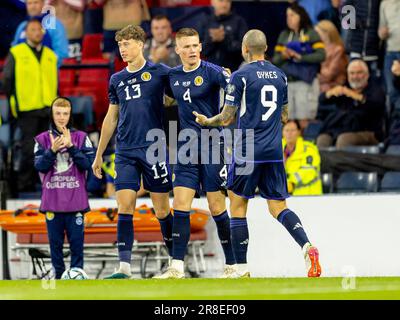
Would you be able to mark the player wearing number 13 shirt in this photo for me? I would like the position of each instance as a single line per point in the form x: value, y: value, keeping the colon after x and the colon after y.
x: 136, y: 106
x: 257, y: 95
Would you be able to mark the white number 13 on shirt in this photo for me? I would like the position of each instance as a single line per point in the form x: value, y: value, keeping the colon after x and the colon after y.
x: 136, y: 90
x: 268, y: 104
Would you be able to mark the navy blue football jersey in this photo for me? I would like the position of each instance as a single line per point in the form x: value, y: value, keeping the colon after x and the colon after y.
x: 198, y: 90
x: 259, y: 90
x: 140, y: 96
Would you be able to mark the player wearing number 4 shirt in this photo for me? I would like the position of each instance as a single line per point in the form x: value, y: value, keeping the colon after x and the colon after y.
x: 258, y: 93
x: 196, y: 85
x: 136, y: 106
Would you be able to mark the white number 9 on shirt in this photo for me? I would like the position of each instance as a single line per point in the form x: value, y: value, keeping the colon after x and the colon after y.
x: 268, y: 104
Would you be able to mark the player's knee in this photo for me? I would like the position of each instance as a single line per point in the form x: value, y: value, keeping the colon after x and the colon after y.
x: 276, y: 208
x: 216, y: 207
x: 181, y: 204
x: 161, y: 212
x: 125, y: 208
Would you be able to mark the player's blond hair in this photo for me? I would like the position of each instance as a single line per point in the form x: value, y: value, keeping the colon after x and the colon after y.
x: 131, y: 32
x: 61, y: 102
x: 186, y: 32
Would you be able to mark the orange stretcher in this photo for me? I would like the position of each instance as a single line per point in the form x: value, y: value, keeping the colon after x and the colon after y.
x: 103, y: 220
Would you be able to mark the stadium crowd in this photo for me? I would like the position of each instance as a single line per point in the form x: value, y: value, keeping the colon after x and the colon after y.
x: 344, y: 83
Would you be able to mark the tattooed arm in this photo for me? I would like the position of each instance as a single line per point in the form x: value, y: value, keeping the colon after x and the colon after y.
x: 285, y: 114
x: 225, y: 118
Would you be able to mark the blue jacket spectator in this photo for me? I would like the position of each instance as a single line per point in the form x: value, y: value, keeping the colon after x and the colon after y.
x: 55, y: 35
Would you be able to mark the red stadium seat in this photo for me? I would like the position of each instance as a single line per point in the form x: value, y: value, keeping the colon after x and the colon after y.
x: 92, y: 46
x: 67, y: 77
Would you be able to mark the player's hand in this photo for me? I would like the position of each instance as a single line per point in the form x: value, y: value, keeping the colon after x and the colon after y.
x: 227, y: 70
x: 96, y: 167
x: 67, y: 137
x: 201, y: 119
x: 57, y: 143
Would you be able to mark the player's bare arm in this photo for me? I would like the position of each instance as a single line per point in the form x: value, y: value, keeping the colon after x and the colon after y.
x: 285, y: 114
x: 107, y: 130
x: 225, y: 118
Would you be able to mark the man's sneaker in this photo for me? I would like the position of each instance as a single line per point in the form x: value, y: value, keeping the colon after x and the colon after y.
x: 117, y: 275
x: 171, y: 273
x: 229, y: 272
x: 311, y: 257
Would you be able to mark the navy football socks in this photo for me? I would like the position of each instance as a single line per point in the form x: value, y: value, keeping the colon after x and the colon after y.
x: 224, y: 233
x: 125, y: 237
x: 166, y: 225
x: 240, y: 239
x: 180, y: 234
x: 293, y: 224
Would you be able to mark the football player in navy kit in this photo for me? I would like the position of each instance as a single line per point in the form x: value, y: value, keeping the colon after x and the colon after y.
x: 259, y: 91
x: 136, y: 107
x: 197, y: 85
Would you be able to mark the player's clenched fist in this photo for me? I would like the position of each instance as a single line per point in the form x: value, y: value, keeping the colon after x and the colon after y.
x: 96, y: 167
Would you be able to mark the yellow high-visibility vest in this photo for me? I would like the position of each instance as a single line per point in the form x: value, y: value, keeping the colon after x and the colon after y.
x: 303, y: 168
x: 35, y: 82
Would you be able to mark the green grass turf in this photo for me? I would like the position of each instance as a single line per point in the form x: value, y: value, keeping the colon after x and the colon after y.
x: 203, y: 289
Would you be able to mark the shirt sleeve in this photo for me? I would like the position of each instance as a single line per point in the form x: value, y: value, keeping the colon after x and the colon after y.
x: 234, y: 90
x: 112, y: 92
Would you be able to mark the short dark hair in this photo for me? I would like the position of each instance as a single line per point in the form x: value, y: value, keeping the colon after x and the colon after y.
x: 305, y: 21
x: 160, y: 17
x: 32, y: 20
x: 131, y: 32
x: 296, y: 122
x: 186, y: 32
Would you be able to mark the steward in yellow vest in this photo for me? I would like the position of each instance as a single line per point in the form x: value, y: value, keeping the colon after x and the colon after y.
x: 302, y: 162
x: 35, y: 79
x: 30, y: 82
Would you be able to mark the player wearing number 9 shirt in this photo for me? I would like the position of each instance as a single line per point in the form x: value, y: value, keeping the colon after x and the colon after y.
x: 257, y: 95
x: 136, y: 96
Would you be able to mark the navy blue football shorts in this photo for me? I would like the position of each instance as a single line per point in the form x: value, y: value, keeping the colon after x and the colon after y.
x: 132, y: 165
x: 206, y: 177
x: 269, y: 177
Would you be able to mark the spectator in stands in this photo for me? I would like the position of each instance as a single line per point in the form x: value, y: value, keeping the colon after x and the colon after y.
x: 302, y: 162
x: 360, y: 115
x: 70, y: 13
x: 221, y: 34
x: 389, y: 30
x: 63, y: 157
x: 55, y: 36
x: 332, y: 14
x: 362, y: 42
x: 30, y: 82
x: 299, y: 52
x: 161, y: 47
x: 333, y: 69
x: 117, y: 14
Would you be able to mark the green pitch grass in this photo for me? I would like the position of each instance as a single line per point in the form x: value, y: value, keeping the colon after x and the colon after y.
x: 203, y: 289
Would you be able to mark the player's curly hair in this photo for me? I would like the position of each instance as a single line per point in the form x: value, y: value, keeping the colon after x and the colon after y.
x: 131, y: 32
x: 186, y: 32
